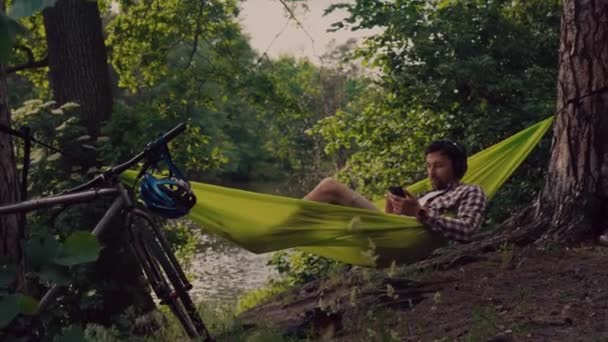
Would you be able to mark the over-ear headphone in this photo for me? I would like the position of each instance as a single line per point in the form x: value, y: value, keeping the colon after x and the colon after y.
x: 459, y: 163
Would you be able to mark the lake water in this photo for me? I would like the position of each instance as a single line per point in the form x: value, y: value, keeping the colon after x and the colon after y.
x: 222, y: 271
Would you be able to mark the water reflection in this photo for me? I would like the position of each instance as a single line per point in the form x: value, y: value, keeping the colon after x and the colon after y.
x: 222, y: 271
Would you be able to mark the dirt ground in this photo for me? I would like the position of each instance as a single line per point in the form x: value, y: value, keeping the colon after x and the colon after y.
x: 510, y: 295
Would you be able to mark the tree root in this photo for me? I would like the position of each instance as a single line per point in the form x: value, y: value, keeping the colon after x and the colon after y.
x: 521, y: 230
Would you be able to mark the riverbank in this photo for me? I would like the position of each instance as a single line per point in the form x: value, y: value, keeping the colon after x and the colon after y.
x: 512, y: 295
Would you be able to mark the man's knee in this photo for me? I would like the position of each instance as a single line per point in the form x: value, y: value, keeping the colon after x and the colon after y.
x: 329, y: 185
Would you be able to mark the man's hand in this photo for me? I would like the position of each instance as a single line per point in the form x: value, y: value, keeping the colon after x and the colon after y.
x: 402, y: 205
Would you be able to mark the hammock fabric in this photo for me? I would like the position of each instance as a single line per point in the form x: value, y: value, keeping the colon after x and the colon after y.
x: 263, y: 223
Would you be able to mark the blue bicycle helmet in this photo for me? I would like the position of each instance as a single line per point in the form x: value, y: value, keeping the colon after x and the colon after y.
x: 170, y: 197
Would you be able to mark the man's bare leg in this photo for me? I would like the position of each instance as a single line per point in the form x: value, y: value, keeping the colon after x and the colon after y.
x: 330, y: 190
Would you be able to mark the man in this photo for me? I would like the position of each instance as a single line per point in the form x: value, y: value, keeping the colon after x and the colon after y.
x: 446, y: 164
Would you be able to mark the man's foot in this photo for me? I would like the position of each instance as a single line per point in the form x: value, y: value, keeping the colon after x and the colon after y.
x: 603, y: 239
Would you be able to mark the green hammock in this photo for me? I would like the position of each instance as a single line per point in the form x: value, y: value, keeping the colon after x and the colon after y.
x: 263, y: 223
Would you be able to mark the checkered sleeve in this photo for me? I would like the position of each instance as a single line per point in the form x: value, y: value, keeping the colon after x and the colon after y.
x: 469, y: 216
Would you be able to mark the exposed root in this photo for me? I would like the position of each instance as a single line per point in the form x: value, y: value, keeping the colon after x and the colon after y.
x: 520, y: 230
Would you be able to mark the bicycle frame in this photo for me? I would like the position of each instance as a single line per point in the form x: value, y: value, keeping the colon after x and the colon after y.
x: 80, y: 197
x: 108, y: 185
x: 122, y: 200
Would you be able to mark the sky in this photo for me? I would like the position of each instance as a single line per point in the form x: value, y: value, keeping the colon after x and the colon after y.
x: 263, y: 20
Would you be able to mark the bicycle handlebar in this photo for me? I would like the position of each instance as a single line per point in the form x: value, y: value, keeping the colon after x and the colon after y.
x: 175, y: 131
x: 151, y: 147
x: 165, y: 138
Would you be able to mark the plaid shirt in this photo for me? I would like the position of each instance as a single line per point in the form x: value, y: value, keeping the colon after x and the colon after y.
x: 469, y: 203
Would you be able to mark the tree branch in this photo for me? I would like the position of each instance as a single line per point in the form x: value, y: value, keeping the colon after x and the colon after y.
x: 197, y: 33
x: 28, y: 51
x: 31, y: 63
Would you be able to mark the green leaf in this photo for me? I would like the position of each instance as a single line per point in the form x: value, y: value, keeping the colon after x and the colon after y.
x: 25, y: 8
x: 53, y: 157
x: 9, y: 309
x: 12, y: 305
x: 72, y: 334
x: 9, y: 29
x: 69, y: 106
x: 27, y: 305
x: 41, y: 250
x: 65, y: 123
x: 445, y: 3
x: 8, y: 273
x: 55, y: 274
x: 89, y: 147
x: 49, y: 104
x: 80, y: 247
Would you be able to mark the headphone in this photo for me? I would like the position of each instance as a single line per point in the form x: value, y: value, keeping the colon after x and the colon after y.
x: 459, y: 163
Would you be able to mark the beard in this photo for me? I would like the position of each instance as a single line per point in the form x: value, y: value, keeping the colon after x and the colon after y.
x: 438, y: 184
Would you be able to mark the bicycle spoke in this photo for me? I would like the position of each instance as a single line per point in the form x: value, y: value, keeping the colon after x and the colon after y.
x: 166, y: 277
x: 159, y: 282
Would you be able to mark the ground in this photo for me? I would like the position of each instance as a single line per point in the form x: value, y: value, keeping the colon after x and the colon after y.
x: 509, y: 295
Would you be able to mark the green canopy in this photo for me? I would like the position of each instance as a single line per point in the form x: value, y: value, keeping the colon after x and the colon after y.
x: 263, y: 223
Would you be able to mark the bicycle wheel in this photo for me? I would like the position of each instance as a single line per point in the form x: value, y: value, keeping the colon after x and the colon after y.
x: 158, y: 278
x: 156, y: 247
x: 180, y: 291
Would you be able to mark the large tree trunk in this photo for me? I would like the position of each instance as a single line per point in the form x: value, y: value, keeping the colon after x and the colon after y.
x: 575, y: 198
x: 9, y: 230
x: 573, y: 205
x: 79, y: 72
x: 78, y: 60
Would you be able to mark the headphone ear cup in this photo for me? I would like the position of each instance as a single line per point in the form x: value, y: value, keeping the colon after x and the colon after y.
x: 458, y: 168
x: 463, y: 167
x: 461, y: 164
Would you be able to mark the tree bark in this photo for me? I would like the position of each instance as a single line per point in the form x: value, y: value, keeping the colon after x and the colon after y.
x: 573, y: 205
x: 78, y: 59
x: 9, y: 228
x: 79, y: 72
x: 575, y: 196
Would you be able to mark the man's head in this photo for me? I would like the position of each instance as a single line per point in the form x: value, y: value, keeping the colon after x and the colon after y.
x: 446, y: 163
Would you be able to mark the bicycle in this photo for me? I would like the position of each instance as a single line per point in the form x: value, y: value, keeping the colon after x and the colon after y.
x: 147, y: 242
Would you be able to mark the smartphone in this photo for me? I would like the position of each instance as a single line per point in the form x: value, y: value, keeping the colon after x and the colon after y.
x: 397, y: 191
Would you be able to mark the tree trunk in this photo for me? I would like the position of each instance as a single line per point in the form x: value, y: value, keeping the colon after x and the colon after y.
x: 79, y: 72
x: 9, y: 231
x: 575, y: 197
x: 573, y: 205
x: 78, y: 59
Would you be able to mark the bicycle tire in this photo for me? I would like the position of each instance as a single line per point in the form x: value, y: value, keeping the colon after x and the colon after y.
x: 158, y: 278
x: 164, y: 257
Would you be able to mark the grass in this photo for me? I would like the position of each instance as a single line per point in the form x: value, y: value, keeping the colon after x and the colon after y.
x: 483, y: 325
x: 506, y: 255
x: 255, y: 297
x: 219, y: 319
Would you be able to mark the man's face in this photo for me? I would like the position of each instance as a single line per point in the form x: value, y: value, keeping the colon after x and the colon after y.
x: 439, y: 170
